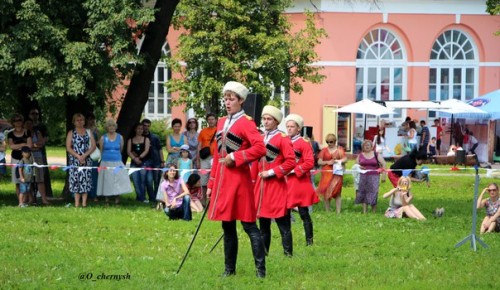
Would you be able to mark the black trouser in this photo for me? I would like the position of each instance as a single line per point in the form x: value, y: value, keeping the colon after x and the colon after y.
x: 473, y: 149
x: 231, y: 246
x: 285, y: 227
x: 308, y: 225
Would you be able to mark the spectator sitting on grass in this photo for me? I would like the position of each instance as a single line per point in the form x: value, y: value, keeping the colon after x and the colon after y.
x: 175, y: 195
x: 400, y: 205
x: 491, y: 221
x: 194, y: 186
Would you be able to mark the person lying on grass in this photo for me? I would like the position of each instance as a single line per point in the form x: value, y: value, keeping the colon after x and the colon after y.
x: 491, y: 221
x: 400, y: 204
x: 175, y: 195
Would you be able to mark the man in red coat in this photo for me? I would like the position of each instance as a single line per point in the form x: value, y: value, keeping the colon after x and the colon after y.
x: 270, y: 187
x: 301, y: 192
x: 230, y: 186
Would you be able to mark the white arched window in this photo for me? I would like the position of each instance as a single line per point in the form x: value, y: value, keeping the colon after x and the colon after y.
x: 453, y: 67
x: 159, y: 99
x: 381, y: 68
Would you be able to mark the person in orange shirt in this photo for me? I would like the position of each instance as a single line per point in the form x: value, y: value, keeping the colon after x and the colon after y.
x: 206, y: 139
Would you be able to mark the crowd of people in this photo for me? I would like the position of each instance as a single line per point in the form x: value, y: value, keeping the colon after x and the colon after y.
x: 238, y: 172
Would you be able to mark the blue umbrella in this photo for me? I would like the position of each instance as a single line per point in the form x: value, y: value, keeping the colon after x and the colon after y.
x: 489, y: 103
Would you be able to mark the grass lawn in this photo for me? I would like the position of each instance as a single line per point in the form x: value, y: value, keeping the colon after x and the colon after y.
x: 55, y: 246
x: 59, y: 151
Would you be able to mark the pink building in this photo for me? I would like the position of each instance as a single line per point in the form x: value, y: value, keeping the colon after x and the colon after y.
x: 398, y: 50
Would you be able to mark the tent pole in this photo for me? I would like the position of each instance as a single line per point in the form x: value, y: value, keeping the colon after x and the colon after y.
x: 364, y: 129
x: 452, y: 129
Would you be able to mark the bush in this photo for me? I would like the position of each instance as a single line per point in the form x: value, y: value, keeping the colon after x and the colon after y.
x: 159, y: 128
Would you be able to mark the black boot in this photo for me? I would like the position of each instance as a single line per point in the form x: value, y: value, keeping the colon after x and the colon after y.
x: 284, y: 225
x: 308, y: 226
x: 230, y: 249
x: 265, y: 232
x: 257, y: 248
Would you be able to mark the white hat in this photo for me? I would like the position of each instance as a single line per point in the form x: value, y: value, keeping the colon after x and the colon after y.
x: 273, y: 112
x: 185, y: 147
x: 237, y: 88
x: 296, y: 118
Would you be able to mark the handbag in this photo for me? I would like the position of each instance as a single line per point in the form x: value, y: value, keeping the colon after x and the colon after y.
x: 96, y: 154
x: 337, y: 169
x: 205, y: 151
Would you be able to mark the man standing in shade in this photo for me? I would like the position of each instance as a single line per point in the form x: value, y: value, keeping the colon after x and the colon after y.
x: 270, y: 187
x: 230, y: 187
x: 301, y: 192
x: 157, y: 161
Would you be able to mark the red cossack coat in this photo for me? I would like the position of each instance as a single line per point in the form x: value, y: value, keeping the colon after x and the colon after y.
x: 301, y: 192
x: 271, y: 192
x: 232, y: 195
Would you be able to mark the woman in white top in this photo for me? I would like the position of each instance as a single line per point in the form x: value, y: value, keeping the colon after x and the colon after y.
x: 412, y: 136
x: 379, y: 142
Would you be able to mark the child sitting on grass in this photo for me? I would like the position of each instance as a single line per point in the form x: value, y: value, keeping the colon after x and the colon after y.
x: 194, y: 186
x: 25, y: 171
x: 400, y: 205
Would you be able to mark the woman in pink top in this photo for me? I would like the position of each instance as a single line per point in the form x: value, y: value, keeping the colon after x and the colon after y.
x: 175, y: 195
x: 369, y: 181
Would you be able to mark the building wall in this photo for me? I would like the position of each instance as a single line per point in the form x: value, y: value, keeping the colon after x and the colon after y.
x: 417, y: 24
x: 416, y: 28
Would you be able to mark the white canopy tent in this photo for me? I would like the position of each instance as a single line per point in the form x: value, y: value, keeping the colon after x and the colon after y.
x: 366, y: 107
x: 425, y: 105
x: 458, y: 108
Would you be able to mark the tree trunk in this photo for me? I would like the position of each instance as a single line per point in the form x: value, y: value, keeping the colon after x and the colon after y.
x: 137, y: 93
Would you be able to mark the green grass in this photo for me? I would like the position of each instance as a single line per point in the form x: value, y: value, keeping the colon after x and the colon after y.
x: 49, y: 247
x: 56, y: 151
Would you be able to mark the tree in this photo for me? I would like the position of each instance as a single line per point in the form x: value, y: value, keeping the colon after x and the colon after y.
x: 137, y: 92
x: 61, y: 51
x: 493, y: 8
x: 249, y: 41
x: 66, y: 56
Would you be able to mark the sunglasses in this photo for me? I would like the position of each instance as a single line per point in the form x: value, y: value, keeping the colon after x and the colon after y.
x: 330, y: 142
x: 492, y: 189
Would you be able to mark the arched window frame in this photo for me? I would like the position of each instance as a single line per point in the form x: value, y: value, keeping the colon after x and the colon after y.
x: 453, y: 67
x: 381, y: 68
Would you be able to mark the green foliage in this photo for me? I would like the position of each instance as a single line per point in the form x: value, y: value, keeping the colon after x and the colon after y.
x: 159, y: 127
x: 61, y: 49
x: 48, y: 247
x: 493, y: 8
x: 248, y: 41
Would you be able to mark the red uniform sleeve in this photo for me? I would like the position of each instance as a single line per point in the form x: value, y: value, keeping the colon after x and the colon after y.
x: 257, y: 148
x: 307, y: 161
x: 289, y: 162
